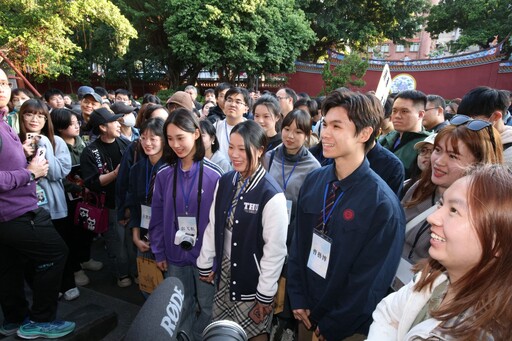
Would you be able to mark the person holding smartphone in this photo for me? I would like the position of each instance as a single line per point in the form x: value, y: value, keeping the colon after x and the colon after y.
x: 36, y: 123
x: 28, y: 241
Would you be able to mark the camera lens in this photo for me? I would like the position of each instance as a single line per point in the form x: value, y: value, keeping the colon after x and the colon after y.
x: 186, y: 245
x: 224, y: 331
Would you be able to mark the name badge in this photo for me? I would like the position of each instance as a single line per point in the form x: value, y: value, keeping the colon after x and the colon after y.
x: 188, y: 225
x: 289, y: 210
x: 319, y: 255
x: 41, y: 196
x: 145, y: 216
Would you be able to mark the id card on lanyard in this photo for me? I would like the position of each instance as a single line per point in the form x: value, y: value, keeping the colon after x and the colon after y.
x: 188, y: 225
x: 319, y: 254
x: 145, y: 210
x: 145, y: 216
x: 320, y: 251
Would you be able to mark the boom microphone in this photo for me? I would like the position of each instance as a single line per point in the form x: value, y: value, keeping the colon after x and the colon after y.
x: 159, y: 317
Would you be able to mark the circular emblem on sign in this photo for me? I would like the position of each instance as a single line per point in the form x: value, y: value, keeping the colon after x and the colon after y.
x: 348, y: 214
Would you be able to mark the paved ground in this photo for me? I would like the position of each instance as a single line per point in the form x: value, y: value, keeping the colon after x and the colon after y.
x: 103, y: 307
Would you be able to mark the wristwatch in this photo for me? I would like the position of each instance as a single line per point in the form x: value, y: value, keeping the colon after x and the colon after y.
x: 32, y: 176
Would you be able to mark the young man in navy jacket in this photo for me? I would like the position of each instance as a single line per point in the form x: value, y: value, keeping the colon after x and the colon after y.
x: 349, y: 229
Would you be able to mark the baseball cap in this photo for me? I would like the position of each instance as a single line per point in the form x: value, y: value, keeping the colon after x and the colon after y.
x: 83, y: 90
x: 94, y: 95
x: 121, y: 108
x: 102, y: 116
x: 428, y: 140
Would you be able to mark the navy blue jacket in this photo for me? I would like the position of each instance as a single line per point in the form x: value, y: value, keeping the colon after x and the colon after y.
x: 258, y: 239
x: 367, y: 231
x: 136, y: 196
x: 388, y: 167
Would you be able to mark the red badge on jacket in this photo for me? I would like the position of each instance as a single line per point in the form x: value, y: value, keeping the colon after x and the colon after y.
x: 348, y: 214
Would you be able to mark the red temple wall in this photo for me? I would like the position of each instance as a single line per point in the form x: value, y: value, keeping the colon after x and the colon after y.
x: 450, y: 83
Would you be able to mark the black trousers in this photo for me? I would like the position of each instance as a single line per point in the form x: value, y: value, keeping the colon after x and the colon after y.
x: 30, y: 240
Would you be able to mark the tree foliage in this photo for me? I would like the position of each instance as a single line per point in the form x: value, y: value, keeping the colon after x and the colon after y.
x: 37, y: 35
x: 348, y: 73
x: 479, y: 20
x: 361, y: 23
x: 233, y: 36
x: 150, y: 55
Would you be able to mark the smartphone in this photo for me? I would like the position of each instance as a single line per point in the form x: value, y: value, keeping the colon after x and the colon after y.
x: 41, y: 154
x: 31, y: 136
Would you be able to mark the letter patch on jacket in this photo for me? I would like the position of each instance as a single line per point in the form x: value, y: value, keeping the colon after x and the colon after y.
x: 251, y: 208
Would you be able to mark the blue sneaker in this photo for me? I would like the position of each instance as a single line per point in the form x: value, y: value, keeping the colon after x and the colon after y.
x: 47, y: 330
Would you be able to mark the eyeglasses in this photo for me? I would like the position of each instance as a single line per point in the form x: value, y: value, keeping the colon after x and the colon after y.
x: 425, y: 151
x: 280, y: 98
x: 427, y: 109
x: 474, y: 125
x: 5, y: 84
x: 238, y: 102
x: 29, y: 116
x: 77, y: 123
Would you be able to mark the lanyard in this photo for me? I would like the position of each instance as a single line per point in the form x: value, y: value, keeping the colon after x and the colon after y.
x: 199, y: 192
x: 186, y: 196
x: 239, y: 193
x: 149, y: 175
x: 324, y: 218
x: 285, y: 180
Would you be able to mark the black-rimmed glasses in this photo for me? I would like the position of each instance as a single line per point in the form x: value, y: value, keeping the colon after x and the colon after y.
x: 474, y: 125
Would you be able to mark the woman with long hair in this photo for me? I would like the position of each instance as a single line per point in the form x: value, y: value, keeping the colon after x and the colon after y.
x: 182, y: 196
x: 141, y: 184
x: 245, y: 242
x: 142, y: 180
x: 463, y: 143
x: 37, y: 136
x: 462, y: 291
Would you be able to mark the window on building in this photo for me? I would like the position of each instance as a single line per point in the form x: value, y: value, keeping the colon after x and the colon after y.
x: 414, y: 47
x: 400, y: 48
x: 384, y: 48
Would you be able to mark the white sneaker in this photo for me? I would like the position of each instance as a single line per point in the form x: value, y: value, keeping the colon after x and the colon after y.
x: 71, y: 294
x: 124, y: 282
x: 81, y: 278
x: 92, y: 265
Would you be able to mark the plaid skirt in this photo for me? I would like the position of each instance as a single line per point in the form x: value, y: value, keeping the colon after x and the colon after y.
x: 237, y: 311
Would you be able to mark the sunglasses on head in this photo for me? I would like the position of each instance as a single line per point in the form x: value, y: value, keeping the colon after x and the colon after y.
x: 474, y: 125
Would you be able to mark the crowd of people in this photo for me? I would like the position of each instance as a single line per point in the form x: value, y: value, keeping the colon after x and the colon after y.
x: 329, y: 218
